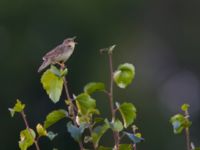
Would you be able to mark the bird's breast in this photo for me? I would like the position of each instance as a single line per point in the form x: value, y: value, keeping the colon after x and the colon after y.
x: 65, y: 55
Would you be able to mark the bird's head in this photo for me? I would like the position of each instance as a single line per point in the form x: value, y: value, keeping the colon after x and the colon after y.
x: 69, y: 42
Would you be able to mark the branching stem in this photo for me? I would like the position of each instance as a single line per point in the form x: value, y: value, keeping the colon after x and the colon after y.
x: 90, y: 129
x: 187, y: 132
x: 71, y: 103
x: 111, y: 87
x: 70, y: 100
x: 27, y: 126
x: 134, y: 131
x: 134, y: 147
x: 110, y: 94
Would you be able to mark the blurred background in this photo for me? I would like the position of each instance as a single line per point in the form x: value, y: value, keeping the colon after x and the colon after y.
x: 160, y: 37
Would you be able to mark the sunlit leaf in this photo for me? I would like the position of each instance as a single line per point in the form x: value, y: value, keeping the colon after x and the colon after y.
x: 54, y: 117
x: 128, y: 113
x: 80, y: 119
x: 93, y: 87
x: 12, y: 112
x: 116, y: 125
x: 53, y: 84
x: 105, y: 148
x: 55, y: 70
x: 27, y: 138
x: 64, y: 72
x: 86, y: 105
x: 125, y: 147
x: 58, y: 72
x: 179, y: 122
x: 185, y: 107
x: 41, y: 130
x: 18, y: 107
x: 76, y: 132
x: 124, y: 75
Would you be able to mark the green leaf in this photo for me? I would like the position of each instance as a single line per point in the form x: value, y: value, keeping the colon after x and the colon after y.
x: 135, y: 138
x: 80, y: 119
x: 53, y: 84
x: 93, y: 87
x: 98, y: 132
x: 76, y: 132
x: 54, y: 117
x: 105, y: 148
x: 58, y: 72
x: 179, y: 122
x: 98, y: 120
x: 128, y: 113
x: 125, y: 147
x: 26, y: 138
x: 64, y: 72
x: 12, y: 112
x: 185, y: 107
x: 124, y: 75
x: 41, y: 130
x: 55, y: 71
x: 116, y: 125
x: 121, y: 147
x: 51, y: 135
x: 86, y: 105
x: 19, y: 107
x: 197, y: 148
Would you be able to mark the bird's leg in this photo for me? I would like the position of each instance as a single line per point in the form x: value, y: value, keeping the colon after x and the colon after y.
x: 62, y: 64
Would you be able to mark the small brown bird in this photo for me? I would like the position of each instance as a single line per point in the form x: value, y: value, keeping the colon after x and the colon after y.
x: 59, y: 54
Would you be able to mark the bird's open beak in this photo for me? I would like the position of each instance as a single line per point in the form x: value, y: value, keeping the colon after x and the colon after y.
x: 73, y: 38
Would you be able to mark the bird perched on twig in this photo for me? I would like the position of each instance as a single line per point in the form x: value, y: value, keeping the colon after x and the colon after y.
x: 59, y: 54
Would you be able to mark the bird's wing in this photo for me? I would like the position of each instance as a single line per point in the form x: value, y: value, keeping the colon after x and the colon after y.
x: 55, y: 52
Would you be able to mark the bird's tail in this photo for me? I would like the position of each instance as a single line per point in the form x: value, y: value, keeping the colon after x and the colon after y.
x: 44, y: 65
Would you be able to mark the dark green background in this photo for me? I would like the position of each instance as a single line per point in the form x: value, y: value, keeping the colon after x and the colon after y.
x: 160, y: 37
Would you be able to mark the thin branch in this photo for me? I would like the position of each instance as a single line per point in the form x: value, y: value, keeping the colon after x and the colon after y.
x: 134, y: 131
x: 37, y: 139
x: 134, y: 147
x: 71, y: 102
x: 110, y: 94
x: 187, y: 132
x: 27, y: 126
x: 73, y: 106
x: 111, y: 88
x: 90, y: 129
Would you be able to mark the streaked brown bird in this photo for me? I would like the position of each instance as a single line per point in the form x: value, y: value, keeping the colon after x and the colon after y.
x: 59, y: 54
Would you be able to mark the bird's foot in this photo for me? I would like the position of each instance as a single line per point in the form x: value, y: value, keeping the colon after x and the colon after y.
x: 62, y: 65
